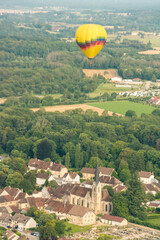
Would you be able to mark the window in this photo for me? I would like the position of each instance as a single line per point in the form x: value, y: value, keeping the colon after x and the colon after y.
x: 106, y: 208
x: 110, y: 207
x: 87, y: 205
x: 82, y: 203
x: 73, y: 201
x: 77, y: 201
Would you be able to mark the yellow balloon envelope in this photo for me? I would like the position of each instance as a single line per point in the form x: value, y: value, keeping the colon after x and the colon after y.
x: 91, y: 38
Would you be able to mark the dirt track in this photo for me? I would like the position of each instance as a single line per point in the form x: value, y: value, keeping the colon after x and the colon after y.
x: 84, y: 107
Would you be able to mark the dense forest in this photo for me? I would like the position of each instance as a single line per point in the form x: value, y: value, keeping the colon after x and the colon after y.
x: 77, y: 139
x: 32, y: 60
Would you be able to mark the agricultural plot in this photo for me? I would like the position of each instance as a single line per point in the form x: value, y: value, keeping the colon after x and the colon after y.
x: 154, y: 40
x: 107, y: 87
x: 122, y: 106
x: 107, y: 73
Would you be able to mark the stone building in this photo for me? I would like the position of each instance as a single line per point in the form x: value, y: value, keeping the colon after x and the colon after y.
x: 95, y: 198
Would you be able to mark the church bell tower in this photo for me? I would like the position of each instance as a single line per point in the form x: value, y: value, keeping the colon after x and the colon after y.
x: 96, y: 193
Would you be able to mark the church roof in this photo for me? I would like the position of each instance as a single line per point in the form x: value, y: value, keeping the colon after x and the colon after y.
x: 80, y: 191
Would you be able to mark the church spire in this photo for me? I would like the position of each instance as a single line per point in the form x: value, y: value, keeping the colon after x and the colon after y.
x: 97, y: 174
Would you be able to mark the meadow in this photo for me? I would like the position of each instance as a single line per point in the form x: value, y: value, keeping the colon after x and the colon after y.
x: 154, y: 219
x: 123, y: 106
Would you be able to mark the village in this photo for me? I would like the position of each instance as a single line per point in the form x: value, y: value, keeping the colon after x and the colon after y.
x: 83, y: 203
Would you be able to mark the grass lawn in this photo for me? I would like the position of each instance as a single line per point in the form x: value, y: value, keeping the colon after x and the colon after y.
x: 154, y: 219
x: 72, y: 228
x: 2, y: 230
x: 123, y: 106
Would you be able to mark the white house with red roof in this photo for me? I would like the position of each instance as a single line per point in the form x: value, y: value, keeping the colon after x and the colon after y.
x: 114, y: 220
x: 147, y: 177
x: 71, y: 177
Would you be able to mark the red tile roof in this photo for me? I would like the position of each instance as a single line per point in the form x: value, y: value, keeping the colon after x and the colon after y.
x: 80, y: 191
x: 88, y: 170
x: 40, y: 164
x: 105, y: 171
x: 112, y: 218
x: 102, y: 170
x: 143, y: 174
x: 42, y: 175
x: 80, y: 211
x: 6, y: 198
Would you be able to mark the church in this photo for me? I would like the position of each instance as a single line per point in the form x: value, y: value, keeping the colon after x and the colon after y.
x: 96, y: 198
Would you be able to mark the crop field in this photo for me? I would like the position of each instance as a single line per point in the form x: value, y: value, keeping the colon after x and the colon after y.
x: 107, y: 87
x: 155, y: 40
x: 107, y: 73
x: 122, y: 106
x: 151, y: 52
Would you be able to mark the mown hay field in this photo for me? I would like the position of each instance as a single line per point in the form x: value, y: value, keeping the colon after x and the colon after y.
x: 106, y: 73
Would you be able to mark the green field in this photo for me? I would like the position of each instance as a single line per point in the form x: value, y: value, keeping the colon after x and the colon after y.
x: 155, y: 41
x: 154, y: 219
x: 109, y: 88
x: 72, y: 228
x: 123, y: 106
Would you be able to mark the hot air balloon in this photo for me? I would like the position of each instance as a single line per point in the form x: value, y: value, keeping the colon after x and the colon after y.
x: 91, y: 38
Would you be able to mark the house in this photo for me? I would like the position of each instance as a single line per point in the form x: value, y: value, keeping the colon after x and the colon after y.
x: 23, y: 222
x: 36, y: 202
x: 114, y: 220
x: 103, y: 171
x: 147, y: 177
x: 10, y: 235
x: 10, y: 191
x: 71, y: 177
x: 23, y: 204
x: 150, y: 188
x: 154, y: 100
x: 41, y: 178
x: 7, y: 200
x: 81, y: 216
x: 154, y: 204
x: 89, y: 173
x: 36, y: 194
x: 57, y: 169
x: 76, y: 214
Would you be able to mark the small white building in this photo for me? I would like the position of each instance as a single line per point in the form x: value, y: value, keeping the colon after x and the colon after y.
x: 23, y: 222
x: 147, y: 177
x: 41, y: 178
x: 114, y: 220
x: 154, y: 204
x: 116, y: 79
x: 71, y: 177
